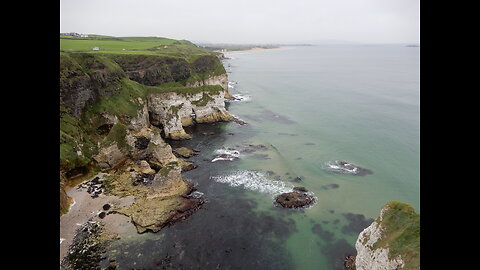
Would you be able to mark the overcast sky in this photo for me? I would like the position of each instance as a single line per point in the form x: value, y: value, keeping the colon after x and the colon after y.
x: 247, y: 21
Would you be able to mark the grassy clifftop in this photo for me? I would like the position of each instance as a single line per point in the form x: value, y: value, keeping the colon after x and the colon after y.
x: 88, y: 75
x: 115, y: 79
x: 131, y: 45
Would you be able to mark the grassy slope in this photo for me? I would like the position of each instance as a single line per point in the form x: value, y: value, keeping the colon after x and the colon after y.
x: 401, y: 233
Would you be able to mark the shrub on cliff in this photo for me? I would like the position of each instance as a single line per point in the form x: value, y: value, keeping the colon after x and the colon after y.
x: 204, y: 63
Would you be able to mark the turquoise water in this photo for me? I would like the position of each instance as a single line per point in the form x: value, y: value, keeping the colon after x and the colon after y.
x: 307, y: 106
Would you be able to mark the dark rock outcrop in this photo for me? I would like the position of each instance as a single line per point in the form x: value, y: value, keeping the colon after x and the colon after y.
x: 294, y: 199
x: 87, y: 248
x: 84, y: 79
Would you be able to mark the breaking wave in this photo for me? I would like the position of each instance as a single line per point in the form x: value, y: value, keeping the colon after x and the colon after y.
x: 232, y: 84
x: 344, y: 167
x: 241, y: 97
x: 253, y: 180
x: 197, y: 195
x: 226, y: 154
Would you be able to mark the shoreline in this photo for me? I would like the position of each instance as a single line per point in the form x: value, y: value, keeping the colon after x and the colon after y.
x: 249, y: 50
x: 86, y: 208
x: 117, y: 224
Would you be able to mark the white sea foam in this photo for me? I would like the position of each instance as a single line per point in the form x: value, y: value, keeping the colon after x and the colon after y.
x: 228, y: 151
x: 197, y: 194
x: 241, y: 97
x: 231, y: 84
x: 336, y: 166
x: 228, y: 154
x: 253, y: 180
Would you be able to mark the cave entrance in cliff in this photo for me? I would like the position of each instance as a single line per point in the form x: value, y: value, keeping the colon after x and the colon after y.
x: 103, y: 130
x: 76, y: 172
x: 153, y: 119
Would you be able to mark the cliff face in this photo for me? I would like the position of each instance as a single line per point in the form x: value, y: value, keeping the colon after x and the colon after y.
x: 392, y: 241
x: 86, y: 78
x: 109, y: 104
x: 174, y: 110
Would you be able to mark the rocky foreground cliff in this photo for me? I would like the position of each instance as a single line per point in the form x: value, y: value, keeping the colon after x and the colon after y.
x: 116, y: 110
x: 391, y: 242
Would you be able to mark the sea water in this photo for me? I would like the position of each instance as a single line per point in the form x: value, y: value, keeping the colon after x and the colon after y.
x: 306, y: 107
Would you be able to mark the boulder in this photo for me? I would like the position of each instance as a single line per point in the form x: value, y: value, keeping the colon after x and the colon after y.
x: 185, y: 152
x: 294, y: 199
x: 109, y: 157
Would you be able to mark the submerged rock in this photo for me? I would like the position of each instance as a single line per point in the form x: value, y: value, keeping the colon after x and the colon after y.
x: 301, y: 189
x: 239, y: 121
x: 294, y: 199
x: 186, y: 165
x: 350, y: 263
x: 88, y: 247
x: 297, y: 179
x: 226, y: 154
x: 338, y: 166
x: 250, y: 148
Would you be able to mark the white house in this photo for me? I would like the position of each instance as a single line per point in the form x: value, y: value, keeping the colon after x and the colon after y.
x: 95, y: 49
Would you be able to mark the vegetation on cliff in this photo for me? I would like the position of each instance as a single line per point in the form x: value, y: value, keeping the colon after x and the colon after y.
x: 400, y: 233
x: 112, y: 80
x: 102, y: 90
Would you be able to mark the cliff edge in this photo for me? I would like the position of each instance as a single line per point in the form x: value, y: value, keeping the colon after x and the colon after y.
x: 392, y: 241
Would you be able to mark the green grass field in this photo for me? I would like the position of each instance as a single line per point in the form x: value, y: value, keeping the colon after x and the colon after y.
x: 131, y: 45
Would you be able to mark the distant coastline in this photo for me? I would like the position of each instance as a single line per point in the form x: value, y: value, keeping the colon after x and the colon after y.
x: 248, y: 50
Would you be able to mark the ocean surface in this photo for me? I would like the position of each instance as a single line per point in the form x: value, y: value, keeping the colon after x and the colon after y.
x: 306, y: 108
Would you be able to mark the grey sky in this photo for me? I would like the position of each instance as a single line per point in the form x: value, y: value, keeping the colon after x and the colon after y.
x: 247, y: 21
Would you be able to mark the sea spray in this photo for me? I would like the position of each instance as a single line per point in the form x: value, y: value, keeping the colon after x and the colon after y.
x: 226, y: 154
x: 253, y: 180
x: 344, y: 167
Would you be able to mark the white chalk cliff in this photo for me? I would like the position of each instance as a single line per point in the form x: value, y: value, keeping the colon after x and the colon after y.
x: 375, y: 243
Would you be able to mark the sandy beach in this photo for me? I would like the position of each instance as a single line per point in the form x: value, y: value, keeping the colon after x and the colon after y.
x: 86, y: 207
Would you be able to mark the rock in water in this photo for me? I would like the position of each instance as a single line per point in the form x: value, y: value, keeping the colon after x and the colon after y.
x: 87, y: 248
x: 350, y: 263
x: 185, y: 152
x: 294, y: 199
x: 226, y: 154
x: 301, y: 189
x: 338, y: 166
x: 186, y: 165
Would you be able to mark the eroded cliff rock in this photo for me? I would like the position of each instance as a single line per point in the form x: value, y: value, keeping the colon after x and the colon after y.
x: 221, y: 80
x: 392, y: 241
x: 115, y: 109
x: 175, y: 110
x: 159, y: 200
